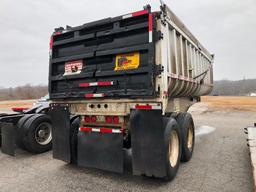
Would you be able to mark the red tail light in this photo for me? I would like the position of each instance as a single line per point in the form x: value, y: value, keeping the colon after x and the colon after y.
x: 51, y: 42
x: 116, y: 119
x: 93, y: 119
x: 87, y: 119
x: 108, y: 119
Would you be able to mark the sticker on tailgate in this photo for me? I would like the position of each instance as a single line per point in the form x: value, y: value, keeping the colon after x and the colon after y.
x: 127, y: 61
x: 73, y: 67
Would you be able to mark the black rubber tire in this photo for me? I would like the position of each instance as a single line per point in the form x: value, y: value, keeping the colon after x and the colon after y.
x: 20, y: 130
x: 30, y: 127
x: 185, y: 120
x: 73, y: 140
x: 171, y: 126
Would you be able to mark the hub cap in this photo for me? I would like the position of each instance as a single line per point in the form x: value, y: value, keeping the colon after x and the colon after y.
x: 43, y: 133
x: 174, y: 148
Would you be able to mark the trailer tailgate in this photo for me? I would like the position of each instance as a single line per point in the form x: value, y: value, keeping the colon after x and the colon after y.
x: 113, y: 57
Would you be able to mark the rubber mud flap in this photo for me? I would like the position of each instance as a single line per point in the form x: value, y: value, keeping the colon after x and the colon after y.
x: 101, y: 150
x: 8, y: 132
x: 60, y: 132
x: 147, y: 140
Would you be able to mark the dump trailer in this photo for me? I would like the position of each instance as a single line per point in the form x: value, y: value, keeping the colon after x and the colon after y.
x: 130, y: 81
x: 26, y: 128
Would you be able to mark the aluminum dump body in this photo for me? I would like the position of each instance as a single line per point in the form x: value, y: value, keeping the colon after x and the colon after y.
x: 143, y: 55
x: 188, y: 64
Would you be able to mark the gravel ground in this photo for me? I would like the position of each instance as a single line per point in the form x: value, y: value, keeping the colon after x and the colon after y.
x: 220, y: 163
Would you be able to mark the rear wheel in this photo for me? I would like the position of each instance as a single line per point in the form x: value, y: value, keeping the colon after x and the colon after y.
x: 186, y: 124
x: 38, y: 134
x: 20, y: 130
x: 173, y: 149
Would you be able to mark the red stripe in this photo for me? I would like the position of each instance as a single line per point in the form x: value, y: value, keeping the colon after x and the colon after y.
x: 85, y: 129
x: 102, y: 83
x: 51, y: 42
x: 143, y: 107
x: 57, y: 33
x: 88, y: 95
x: 105, y: 130
x: 150, y: 22
x: 138, y: 13
x: 84, y: 84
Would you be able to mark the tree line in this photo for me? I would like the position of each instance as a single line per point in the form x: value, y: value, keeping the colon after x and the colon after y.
x: 23, y: 92
x: 237, y: 88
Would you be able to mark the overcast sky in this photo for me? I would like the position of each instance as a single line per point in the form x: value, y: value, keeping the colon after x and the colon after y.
x: 226, y: 28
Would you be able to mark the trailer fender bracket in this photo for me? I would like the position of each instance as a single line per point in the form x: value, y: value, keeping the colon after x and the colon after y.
x: 100, y: 150
x: 61, y: 132
x: 8, y: 134
x: 147, y: 141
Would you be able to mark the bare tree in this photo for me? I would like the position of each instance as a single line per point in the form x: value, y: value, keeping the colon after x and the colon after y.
x: 23, y: 92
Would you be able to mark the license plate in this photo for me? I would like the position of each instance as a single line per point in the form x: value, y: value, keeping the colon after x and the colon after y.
x: 127, y: 61
x: 73, y: 67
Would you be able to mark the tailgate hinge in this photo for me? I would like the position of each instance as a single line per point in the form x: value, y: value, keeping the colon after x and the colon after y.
x: 159, y: 69
x: 158, y: 36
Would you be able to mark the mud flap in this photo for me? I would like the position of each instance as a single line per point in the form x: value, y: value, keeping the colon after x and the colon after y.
x: 147, y: 141
x: 101, y: 150
x: 60, y: 132
x: 8, y: 134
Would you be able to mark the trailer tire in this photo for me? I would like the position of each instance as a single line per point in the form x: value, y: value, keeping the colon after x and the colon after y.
x: 172, y: 138
x: 73, y: 133
x: 38, y: 134
x: 187, y: 128
x: 20, y: 130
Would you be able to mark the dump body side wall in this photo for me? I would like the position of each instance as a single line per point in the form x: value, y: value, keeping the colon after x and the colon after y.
x: 187, y: 68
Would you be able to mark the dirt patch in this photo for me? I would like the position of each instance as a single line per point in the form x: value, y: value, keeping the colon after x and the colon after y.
x: 226, y: 103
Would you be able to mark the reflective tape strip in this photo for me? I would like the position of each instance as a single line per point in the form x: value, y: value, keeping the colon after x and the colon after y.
x: 91, y: 95
x: 57, y: 33
x: 150, y: 27
x: 85, y: 129
x: 138, y: 13
x: 127, y: 16
x: 150, y: 36
x: 117, y: 131
x: 150, y: 22
x: 95, y: 130
x: 135, y: 14
x: 147, y: 107
x: 93, y: 84
x: 100, y: 130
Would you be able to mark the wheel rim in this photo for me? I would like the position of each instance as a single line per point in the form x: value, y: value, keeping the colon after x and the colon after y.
x: 190, y: 138
x: 173, y: 148
x: 43, y: 133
